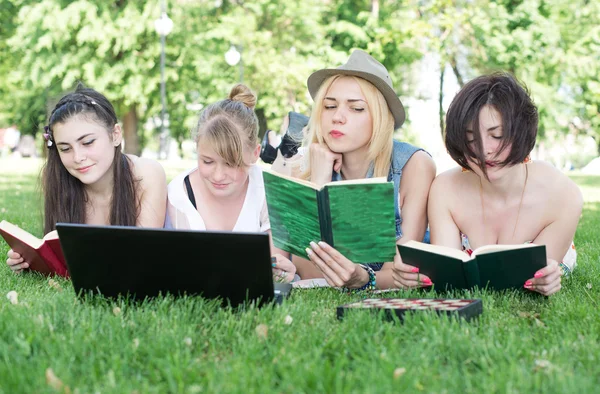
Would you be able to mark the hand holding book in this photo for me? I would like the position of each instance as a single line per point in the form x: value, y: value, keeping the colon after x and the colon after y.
x: 337, y: 269
x: 29, y: 252
x: 407, y: 276
x: 546, y: 281
x: 496, y: 267
x: 16, y: 262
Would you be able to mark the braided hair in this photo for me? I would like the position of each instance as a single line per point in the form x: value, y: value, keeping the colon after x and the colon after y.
x: 65, y: 196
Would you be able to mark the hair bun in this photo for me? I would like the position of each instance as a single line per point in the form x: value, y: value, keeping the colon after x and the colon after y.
x: 243, y: 94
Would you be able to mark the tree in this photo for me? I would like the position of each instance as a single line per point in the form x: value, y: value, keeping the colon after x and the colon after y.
x: 109, y: 46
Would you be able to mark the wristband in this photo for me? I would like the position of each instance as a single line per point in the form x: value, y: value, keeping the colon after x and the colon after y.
x: 371, y: 283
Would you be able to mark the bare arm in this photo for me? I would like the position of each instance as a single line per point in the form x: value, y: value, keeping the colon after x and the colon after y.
x: 152, y: 193
x: 417, y: 176
x: 558, y: 235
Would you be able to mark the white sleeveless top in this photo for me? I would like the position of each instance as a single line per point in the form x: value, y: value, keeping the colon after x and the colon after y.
x: 253, y: 217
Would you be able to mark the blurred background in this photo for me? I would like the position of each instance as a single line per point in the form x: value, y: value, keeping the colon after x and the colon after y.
x: 160, y: 62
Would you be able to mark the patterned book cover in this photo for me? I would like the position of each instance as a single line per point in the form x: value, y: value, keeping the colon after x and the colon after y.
x: 293, y: 213
x: 363, y: 221
x: 360, y: 217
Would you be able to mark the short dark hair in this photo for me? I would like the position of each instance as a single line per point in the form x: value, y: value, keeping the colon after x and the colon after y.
x: 519, y: 117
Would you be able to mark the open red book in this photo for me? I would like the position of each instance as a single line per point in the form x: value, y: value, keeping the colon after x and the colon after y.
x: 44, y: 255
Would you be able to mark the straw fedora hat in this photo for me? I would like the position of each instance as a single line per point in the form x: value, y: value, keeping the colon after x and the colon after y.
x: 361, y: 64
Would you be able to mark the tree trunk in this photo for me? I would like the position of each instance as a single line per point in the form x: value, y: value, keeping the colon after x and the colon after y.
x: 375, y: 9
x: 130, y: 131
x: 262, y: 123
x: 441, y: 98
x: 459, y: 77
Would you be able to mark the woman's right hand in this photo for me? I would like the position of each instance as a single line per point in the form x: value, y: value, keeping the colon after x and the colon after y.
x: 15, y: 262
x: 407, y: 276
x: 323, y: 162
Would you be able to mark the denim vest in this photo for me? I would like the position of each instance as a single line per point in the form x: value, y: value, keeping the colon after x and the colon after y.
x: 401, y: 153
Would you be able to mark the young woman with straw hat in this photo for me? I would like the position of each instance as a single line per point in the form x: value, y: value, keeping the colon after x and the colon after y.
x: 350, y: 136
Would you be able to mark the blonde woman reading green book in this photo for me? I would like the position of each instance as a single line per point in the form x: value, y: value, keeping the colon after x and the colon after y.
x: 500, y: 196
x: 349, y: 137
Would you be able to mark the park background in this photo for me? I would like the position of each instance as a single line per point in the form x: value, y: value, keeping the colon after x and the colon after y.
x: 431, y: 47
x: 53, y: 342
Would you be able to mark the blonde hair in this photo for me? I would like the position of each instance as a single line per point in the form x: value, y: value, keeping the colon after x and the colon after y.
x: 230, y: 126
x: 382, y: 139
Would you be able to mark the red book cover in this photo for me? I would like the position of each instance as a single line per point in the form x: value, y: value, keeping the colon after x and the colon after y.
x: 44, y: 255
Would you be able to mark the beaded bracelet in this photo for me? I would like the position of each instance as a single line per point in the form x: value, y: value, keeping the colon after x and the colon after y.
x: 371, y: 283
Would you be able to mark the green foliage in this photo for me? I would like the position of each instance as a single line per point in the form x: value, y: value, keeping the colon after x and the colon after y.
x: 47, y: 46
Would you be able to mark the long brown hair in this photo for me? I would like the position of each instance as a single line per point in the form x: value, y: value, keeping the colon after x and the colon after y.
x: 65, y: 197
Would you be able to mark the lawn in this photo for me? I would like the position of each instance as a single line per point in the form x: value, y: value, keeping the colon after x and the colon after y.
x: 51, y: 341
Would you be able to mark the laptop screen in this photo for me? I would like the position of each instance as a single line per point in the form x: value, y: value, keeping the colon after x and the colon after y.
x: 143, y: 262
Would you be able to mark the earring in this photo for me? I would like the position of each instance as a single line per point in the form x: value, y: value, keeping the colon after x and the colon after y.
x: 527, y: 160
x: 463, y: 169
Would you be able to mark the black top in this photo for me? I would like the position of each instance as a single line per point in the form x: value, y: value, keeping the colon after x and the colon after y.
x: 190, y: 192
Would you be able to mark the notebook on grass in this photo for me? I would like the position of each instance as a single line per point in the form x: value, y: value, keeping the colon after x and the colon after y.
x: 142, y: 262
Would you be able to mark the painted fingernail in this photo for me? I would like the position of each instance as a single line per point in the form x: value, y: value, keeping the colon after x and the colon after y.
x: 528, y: 283
x: 309, y: 251
x: 538, y: 274
x: 415, y: 269
x: 322, y: 244
x: 427, y: 281
x: 273, y: 259
x: 273, y: 265
x: 313, y: 245
x: 527, y: 286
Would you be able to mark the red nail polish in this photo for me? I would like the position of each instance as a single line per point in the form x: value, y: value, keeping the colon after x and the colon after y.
x: 415, y: 269
x: 427, y: 282
x: 528, y: 283
x: 538, y: 275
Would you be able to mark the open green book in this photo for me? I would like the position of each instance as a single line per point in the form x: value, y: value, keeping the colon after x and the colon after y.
x: 355, y: 217
x: 496, y: 267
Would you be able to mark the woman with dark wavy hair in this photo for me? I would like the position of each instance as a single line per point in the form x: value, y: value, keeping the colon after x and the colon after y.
x: 501, y: 196
x: 87, y: 179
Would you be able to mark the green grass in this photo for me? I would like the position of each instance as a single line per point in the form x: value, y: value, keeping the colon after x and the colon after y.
x: 521, y: 343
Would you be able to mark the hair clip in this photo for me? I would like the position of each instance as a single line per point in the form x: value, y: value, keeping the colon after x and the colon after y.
x: 47, y: 137
x: 92, y: 102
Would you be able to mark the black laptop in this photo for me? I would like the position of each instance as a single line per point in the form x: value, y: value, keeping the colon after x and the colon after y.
x: 143, y: 262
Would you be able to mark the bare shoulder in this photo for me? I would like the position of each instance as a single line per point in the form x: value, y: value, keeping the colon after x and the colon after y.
x: 421, y: 161
x: 449, y: 180
x: 554, y: 183
x: 144, y: 168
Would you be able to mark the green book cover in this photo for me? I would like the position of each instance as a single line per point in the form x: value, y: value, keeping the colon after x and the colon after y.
x: 496, y: 267
x: 355, y: 217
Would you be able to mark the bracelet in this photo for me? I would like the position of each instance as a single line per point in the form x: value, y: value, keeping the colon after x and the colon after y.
x: 370, y: 285
x: 564, y: 269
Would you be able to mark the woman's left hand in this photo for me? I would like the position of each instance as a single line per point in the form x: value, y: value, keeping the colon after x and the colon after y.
x: 337, y: 269
x: 283, y: 269
x: 547, y: 280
